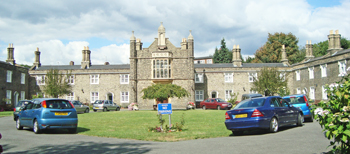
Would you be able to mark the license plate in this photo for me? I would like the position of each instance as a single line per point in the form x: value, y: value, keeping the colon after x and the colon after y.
x: 241, y: 116
x: 96, y: 107
x: 61, y: 113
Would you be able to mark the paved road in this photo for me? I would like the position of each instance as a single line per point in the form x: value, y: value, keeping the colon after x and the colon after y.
x: 308, y: 139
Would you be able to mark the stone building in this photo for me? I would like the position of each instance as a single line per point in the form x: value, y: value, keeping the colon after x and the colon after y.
x: 164, y: 62
x: 14, y: 81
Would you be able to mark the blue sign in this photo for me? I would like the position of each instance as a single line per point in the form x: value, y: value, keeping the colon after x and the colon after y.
x: 165, y: 108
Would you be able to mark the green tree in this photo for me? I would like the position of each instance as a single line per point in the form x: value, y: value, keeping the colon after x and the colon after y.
x: 320, y: 48
x: 57, y: 83
x: 249, y: 60
x: 269, y: 81
x: 162, y: 92
x: 270, y: 52
x: 222, y: 55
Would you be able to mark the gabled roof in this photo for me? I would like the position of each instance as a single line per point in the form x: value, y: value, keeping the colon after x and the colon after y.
x: 77, y: 67
x: 244, y: 65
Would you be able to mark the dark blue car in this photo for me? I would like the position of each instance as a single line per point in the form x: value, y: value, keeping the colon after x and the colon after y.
x: 262, y: 113
x: 48, y: 113
x: 300, y: 101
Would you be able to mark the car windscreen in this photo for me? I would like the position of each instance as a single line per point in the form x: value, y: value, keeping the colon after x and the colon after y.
x: 22, y: 103
x: 251, y: 103
x: 98, y: 102
x: 58, y: 104
x: 295, y: 100
x: 220, y: 100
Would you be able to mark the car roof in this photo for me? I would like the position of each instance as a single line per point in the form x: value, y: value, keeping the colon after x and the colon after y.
x: 296, y: 95
x: 45, y: 99
x: 253, y: 95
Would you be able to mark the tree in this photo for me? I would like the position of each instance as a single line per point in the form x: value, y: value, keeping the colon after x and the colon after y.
x: 162, y: 92
x: 320, y: 48
x: 223, y: 55
x: 57, y: 83
x: 270, y: 52
x: 249, y: 59
x: 269, y: 81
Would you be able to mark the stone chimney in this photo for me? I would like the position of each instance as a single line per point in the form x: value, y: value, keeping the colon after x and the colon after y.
x: 236, y: 56
x: 86, y: 61
x: 138, y: 44
x: 37, y: 58
x: 183, y: 44
x: 334, y: 42
x: 106, y: 63
x: 10, y: 58
x: 284, y: 59
x: 309, y: 54
x: 71, y: 63
x: 161, y: 37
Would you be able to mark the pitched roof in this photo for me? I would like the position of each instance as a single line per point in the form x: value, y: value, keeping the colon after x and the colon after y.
x: 76, y: 67
x: 244, y: 65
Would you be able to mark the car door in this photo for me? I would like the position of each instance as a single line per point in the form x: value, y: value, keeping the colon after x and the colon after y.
x: 211, y: 104
x: 80, y: 107
x: 279, y: 110
x: 26, y: 115
x: 113, y: 106
x: 291, y: 114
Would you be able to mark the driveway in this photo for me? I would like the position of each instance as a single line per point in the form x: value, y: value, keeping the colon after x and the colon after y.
x: 307, y: 139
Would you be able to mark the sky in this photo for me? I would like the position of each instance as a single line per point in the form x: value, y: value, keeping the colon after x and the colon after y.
x: 61, y: 28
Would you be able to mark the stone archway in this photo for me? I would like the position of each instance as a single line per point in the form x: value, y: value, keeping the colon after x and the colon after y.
x: 214, y: 94
x: 109, y: 96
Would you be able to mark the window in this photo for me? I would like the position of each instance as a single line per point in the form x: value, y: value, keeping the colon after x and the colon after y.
x: 323, y: 70
x: 9, y: 76
x: 23, y: 95
x: 209, y: 61
x: 23, y: 78
x: 8, y: 96
x: 228, y: 94
x: 324, y: 93
x: 311, y: 72
x: 40, y: 80
x: 342, y: 68
x: 228, y: 77
x: 124, y: 97
x: 124, y: 79
x: 195, y: 61
x: 199, y: 95
x: 304, y: 90
x: 71, y: 79
x: 252, y: 76
x: 70, y: 96
x: 94, y: 96
x: 298, y: 91
x: 161, y: 69
x: 312, y: 93
x: 297, y: 73
x: 202, y: 61
x: 199, y: 77
x: 94, y: 79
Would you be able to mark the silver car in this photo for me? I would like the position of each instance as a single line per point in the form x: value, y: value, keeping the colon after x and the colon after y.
x: 105, y: 105
x: 81, y: 108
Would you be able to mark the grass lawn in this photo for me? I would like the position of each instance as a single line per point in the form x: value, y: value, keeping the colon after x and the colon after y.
x: 6, y: 113
x: 134, y: 125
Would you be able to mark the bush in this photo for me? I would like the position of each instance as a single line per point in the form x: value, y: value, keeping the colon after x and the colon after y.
x: 334, y: 115
x: 178, y: 127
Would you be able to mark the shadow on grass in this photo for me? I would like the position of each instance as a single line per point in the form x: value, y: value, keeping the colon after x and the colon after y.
x: 88, y: 147
x: 264, y: 131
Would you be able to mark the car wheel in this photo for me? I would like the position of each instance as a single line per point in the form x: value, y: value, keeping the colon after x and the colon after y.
x: 86, y: 110
x: 273, y: 125
x: 204, y: 108
x: 72, y: 130
x: 18, y: 124
x: 117, y: 109
x: 36, y: 128
x: 300, y: 120
x: 104, y: 109
x: 237, y: 133
x: 219, y: 108
x: 95, y: 110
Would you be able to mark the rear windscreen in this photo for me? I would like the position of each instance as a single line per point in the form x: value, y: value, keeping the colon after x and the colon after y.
x: 22, y: 103
x: 251, y: 103
x: 58, y: 104
x: 98, y: 102
x: 295, y: 100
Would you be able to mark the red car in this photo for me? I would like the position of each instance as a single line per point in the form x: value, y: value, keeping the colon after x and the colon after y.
x: 215, y: 103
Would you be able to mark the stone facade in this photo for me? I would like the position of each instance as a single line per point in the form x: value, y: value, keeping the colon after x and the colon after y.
x: 164, y: 62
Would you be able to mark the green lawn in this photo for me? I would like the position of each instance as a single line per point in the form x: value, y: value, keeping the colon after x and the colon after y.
x: 134, y: 125
x: 6, y: 113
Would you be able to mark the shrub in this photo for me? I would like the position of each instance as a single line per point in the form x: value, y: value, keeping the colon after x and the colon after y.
x: 174, y: 128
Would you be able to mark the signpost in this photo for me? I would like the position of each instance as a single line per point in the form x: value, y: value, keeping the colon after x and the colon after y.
x: 165, y: 108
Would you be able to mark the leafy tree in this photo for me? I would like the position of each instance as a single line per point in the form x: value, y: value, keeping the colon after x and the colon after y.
x: 320, y: 49
x: 162, y: 92
x: 57, y: 83
x: 269, y: 81
x: 222, y: 55
x: 271, y: 51
x: 249, y: 60
x: 25, y: 65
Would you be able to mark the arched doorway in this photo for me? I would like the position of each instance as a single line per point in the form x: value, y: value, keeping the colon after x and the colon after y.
x: 214, y: 94
x: 109, y: 96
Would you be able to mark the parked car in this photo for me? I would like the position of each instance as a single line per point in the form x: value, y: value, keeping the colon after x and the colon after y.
x: 17, y: 108
x: 301, y: 101
x: 249, y: 96
x: 215, y: 103
x: 48, y: 113
x: 81, y: 108
x: 268, y: 113
x: 105, y: 105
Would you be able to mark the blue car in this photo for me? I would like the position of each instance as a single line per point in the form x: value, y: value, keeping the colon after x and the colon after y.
x: 300, y: 101
x: 48, y: 113
x: 268, y: 113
